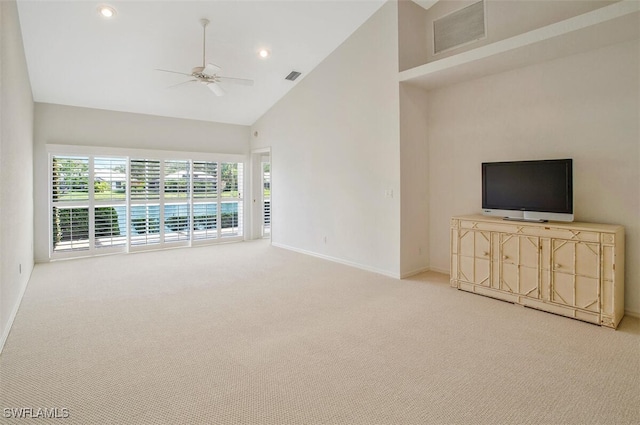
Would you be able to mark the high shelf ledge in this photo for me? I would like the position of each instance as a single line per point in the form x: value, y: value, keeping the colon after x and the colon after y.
x: 608, y: 25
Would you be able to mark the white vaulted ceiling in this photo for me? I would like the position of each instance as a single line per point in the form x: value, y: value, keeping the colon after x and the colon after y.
x: 76, y: 57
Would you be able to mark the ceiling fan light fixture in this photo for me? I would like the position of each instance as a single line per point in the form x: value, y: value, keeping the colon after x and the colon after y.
x: 106, y: 11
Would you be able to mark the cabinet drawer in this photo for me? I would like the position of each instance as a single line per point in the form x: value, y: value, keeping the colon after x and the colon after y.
x: 537, y: 230
x: 498, y: 226
x: 567, y: 234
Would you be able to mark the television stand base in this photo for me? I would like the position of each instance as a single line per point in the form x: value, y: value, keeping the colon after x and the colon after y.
x: 571, y: 269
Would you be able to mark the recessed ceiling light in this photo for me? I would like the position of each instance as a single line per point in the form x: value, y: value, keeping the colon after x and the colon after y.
x: 264, y: 53
x: 106, y: 11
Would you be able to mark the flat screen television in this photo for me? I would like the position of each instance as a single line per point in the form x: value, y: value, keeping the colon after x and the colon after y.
x: 539, y: 190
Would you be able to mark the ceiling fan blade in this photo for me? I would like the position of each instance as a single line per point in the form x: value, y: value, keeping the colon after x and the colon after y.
x: 211, y: 69
x: 173, y: 72
x: 179, y: 84
x: 216, y: 89
x: 242, y: 81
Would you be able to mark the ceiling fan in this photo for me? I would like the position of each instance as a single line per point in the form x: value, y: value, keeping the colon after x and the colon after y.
x: 207, y: 74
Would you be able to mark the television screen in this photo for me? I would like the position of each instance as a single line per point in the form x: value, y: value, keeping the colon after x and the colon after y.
x: 539, y: 186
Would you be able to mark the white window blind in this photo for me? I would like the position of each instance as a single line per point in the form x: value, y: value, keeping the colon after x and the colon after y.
x: 177, y: 179
x: 70, y: 201
x: 231, y: 214
x: 145, y: 224
x: 266, y: 199
x: 110, y: 179
x: 145, y: 201
x: 177, y: 190
x: 145, y: 179
x: 205, y: 200
x: 205, y: 180
x: 205, y: 220
x: 110, y: 208
x: 70, y: 179
x: 70, y: 229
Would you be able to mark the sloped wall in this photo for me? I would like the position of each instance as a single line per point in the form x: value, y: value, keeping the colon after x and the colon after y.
x: 335, y: 153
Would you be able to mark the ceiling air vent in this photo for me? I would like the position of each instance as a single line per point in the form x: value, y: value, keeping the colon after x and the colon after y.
x: 293, y: 75
x: 460, y: 27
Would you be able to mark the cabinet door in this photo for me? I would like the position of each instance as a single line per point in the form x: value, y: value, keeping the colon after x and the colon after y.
x: 576, y: 291
x: 473, y: 261
x: 576, y: 274
x: 519, y: 258
x: 474, y: 243
x: 580, y: 258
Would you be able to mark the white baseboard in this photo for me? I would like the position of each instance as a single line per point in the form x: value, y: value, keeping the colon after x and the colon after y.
x: 425, y: 269
x: 414, y: 272
x: 632, y: 313
x: 14, y: 312
x: 337, y: 260
x: 439, y: 270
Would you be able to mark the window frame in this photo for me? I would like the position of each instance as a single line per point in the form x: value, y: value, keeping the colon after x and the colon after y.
x: 154, y: 155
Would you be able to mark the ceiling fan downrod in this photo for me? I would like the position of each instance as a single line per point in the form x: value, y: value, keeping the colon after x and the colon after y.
x: 204, y: 23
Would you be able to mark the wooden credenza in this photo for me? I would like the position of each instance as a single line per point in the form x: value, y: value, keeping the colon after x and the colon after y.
x: 572, y: 269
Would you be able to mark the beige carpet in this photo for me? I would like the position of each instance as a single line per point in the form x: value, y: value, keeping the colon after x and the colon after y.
x: 251, y: 334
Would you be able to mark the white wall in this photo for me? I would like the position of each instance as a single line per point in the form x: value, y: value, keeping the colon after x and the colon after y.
x: 67, y: 125
x: 16, y: 168
x: 335, y: 151
x: 414, y: 172
x: 585, y: 107
x: 413, y: 47
x: 413, y: 50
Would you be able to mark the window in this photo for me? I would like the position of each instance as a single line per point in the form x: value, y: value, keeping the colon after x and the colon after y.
x: 266, y: 198
x: 177, y: 194
x: 145, y: 201
x: 231, y: 218
x: 88, y: 217
x: 137, y: 202
x: 205, y: 200
x: 70, y: 203
x: 110, y: 207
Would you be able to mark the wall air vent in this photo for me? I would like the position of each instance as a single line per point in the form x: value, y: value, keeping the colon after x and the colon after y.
x: 460, y: 27
x: 293, y: 75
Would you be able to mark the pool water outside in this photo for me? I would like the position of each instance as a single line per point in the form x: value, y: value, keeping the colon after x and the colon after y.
x: 171, y: 210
